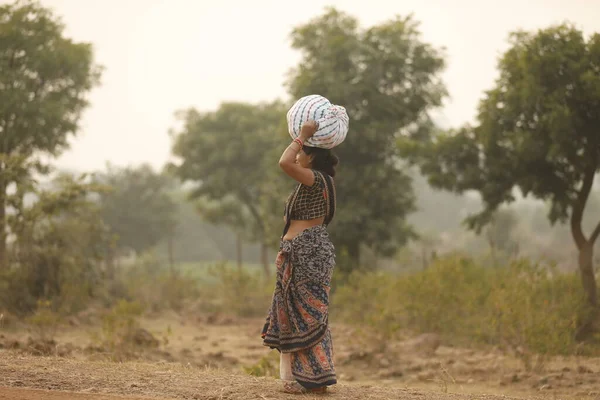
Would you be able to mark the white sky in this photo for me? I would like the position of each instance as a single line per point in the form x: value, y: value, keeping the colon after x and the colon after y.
x: 164, y: 55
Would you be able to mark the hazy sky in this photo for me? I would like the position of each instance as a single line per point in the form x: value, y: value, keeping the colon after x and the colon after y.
x: 164, y: 55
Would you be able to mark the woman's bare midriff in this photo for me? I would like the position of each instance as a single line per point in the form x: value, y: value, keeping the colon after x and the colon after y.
x: 297, y: 226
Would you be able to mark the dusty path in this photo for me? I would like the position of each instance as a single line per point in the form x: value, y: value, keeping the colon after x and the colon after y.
x: 116, y: 381
x: 36, y: 394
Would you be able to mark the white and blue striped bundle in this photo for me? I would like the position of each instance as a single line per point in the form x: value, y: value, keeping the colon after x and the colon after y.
x: 332, y: 119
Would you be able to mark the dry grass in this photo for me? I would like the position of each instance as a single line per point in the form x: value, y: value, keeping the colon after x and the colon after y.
x: 38, y: 394
x: 173, y: 381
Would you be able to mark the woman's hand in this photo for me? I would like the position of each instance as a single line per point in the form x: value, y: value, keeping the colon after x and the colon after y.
x: 308, y: 130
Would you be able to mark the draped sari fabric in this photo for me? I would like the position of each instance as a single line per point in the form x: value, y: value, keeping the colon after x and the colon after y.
x: 297, y: 322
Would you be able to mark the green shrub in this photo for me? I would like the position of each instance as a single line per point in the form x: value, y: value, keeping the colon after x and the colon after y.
x: 15, y: 294
x: 74, y: 297
x: 527, y: 307
x: 367, y: 299
x: 535, y: 308
x: 119, y: 326
x: 157, y: 288
x: 240, y: 292
x: 220, y: 288
x: 445, y: 297
x: 44, y: 322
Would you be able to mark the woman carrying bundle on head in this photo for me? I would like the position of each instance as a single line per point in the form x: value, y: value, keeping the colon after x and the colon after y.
x: 297, y: 324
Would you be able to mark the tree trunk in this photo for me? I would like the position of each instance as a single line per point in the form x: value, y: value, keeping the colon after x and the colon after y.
x: 586, y: 268
x: 353, y: 257
x: 264, y: 258
x: 589, y: 326
x: 238, y: 243
x: 492, y: 243
x: 354, y: 253
x: 3, y: 249
x: 171, y: 253
x: 110, y: 263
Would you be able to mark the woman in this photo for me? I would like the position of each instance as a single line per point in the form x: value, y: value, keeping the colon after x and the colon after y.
x: 297, y: 325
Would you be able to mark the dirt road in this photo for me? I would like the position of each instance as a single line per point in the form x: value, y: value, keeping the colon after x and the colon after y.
x: 94, y: 380
x: 33, y: 394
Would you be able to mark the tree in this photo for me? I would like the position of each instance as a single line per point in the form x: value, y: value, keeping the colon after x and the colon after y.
x: 138, y: 207
x: 43, y: 79
x: 58, y: 249
x: 388, y: 80
x: 229, y: 212
x: 231, y: 154
x: 500, y: 232
x: 537, y: 131
x: 195, y: 239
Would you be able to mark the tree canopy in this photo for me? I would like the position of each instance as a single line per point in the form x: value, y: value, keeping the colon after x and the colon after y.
x: 231, y: 156
x: 44, y: 77
x: 537, y: 131
x: 388, y: 79
x: 137, y: 206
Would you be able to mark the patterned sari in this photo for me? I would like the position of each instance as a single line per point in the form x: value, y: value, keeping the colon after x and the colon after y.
x: 298, y: 320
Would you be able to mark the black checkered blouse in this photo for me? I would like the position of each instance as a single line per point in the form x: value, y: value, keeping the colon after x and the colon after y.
x: 311, y: 201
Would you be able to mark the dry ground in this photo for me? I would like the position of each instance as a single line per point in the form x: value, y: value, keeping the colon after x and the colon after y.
x: 204, y: 356
x: 36, y: 394
x: 164, y: 381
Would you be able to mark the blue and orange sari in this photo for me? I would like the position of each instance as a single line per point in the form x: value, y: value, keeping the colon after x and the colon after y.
x: 298, y: 319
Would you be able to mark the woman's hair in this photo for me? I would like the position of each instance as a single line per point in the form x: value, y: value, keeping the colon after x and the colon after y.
x: 323, y: 160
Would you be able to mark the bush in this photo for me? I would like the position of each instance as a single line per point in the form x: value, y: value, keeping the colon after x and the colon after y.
x: 527, y: 307
x: 366, y: 299
x: 535, y: 309
x: 222, y: 289
x: 15, y: 293
x: 240, y: 292
x: 57, y: 252
x: 44, y: 322
x: 445, y: 297
x: 155, y: 287
x: 119, y: 327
